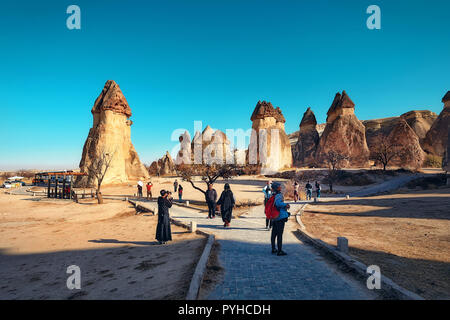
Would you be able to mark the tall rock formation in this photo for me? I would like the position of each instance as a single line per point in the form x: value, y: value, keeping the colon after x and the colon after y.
x: 343, y: 134
x: 269, y: 143
x: 211, y: 147
x: 403, y: 136
x: 304, y: 151
x: 185, y: 152
x: 436, y: 138
x: 110, y: 134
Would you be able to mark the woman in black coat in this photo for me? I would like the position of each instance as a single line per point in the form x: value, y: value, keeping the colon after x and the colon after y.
x: 163, y: 232
x: 226, y: 202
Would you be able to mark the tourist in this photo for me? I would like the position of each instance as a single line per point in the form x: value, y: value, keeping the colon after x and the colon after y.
x: 296, y: 186
x: 318, y: 188
x: 279, y: 222
x: 163, y: 232
x: 149, y: 190
x: 180, y: 192
x: 226, y: 202
x: 211, y: 198
x: 267, y: 193
x: 308, y: 191
x: 140, y: 184
x: 175, y: 185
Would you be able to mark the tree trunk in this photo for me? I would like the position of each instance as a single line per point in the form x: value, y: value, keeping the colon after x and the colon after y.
x: 99, y: 197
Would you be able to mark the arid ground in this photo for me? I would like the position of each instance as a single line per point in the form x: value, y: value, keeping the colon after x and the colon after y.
x: 406, y: 234
x: 115, y: 249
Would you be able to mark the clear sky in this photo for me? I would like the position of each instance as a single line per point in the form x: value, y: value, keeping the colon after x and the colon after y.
x: 186, y: 60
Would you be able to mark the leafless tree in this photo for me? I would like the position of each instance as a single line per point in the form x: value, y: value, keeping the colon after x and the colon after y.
x: 209, y: 173
x: 385, y: 151
x: 334, y: 160
x: 97, y: 171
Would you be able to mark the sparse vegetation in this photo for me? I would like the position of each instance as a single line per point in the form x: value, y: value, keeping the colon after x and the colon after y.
x: 432, y: 161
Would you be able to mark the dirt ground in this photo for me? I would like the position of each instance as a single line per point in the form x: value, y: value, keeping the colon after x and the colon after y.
x: 406, y: 234
x: 115, y: 249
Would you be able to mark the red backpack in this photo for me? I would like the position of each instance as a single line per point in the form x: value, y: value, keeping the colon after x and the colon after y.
x: 270, y: 209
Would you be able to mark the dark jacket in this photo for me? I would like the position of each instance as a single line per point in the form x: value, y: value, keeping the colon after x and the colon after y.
x: 226, y: 203
x: 163, y: 231
x: 211, y: 195
x: 226, y: 200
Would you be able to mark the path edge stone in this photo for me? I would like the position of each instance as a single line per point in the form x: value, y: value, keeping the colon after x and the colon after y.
x: 352, y: 263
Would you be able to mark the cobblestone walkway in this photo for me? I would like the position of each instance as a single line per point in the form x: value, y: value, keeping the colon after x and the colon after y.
x: 252, y: 272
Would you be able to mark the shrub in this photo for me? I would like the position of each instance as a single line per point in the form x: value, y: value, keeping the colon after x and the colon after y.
x: 432, y: 161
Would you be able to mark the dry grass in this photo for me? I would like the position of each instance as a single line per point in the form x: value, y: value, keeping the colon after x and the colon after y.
x: 407, y: 235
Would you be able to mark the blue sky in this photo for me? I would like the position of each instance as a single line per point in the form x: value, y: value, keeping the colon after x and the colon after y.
x: 180, y: 61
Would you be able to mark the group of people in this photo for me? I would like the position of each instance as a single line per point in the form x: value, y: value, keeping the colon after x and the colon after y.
x: 308, y: 188
x: 165, y: 201
x: 227, y: 202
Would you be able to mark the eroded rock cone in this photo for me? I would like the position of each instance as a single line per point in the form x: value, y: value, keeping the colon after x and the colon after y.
x: 403, y: 136
x: 436, y: 138
x: 269, y: 144
x: 110, y: 135
x: 344, y: 134
x: 303, y: 152
x: 211, y: 147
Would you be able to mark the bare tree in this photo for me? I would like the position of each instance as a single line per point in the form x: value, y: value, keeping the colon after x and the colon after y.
x: 334, y: 160
x: 209, y: 173
x: 385, y: 151
x: 97, y: 171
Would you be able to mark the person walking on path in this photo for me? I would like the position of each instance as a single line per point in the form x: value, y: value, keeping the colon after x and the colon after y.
x: 140, y: 184
x: 175, y: 185
x: 163, y: 232
x: 308, y: 191
x: 267, y: 193
x: 211, y: 198
x: 318, y: 188
x: 149, y: 190
x: 226, y: 202
x: 279, y: 222
x: 296, y: 186
x: 180, y: 192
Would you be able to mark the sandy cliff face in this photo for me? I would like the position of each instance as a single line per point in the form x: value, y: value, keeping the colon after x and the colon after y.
x: 436, y: 138
x: 303, y: 152
x: 111, y: 133
x: 269, y: 144
x: 343, y: 134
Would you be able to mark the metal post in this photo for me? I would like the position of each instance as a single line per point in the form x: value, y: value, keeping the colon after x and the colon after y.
x: 64, y: 188
x: 48, y: 191
x: 56, y: 187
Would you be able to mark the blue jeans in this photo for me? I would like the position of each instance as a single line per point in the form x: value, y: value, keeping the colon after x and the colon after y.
x: 308, y: 194
x: 318, y: 193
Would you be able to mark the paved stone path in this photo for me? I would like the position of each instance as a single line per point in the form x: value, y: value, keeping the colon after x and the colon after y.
x: 252, y: 272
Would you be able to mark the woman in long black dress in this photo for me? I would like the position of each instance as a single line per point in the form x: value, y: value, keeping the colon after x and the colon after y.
x: 226, y: 202
x: 163, y: 232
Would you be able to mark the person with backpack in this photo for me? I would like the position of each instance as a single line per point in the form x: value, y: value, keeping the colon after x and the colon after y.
x: 175, y: 185
x: 267, y: 193
x: 318, y: 188
x: 276, y: 210
x: 211, y: 198
x: 226, y: 202
x: 308, y: 191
